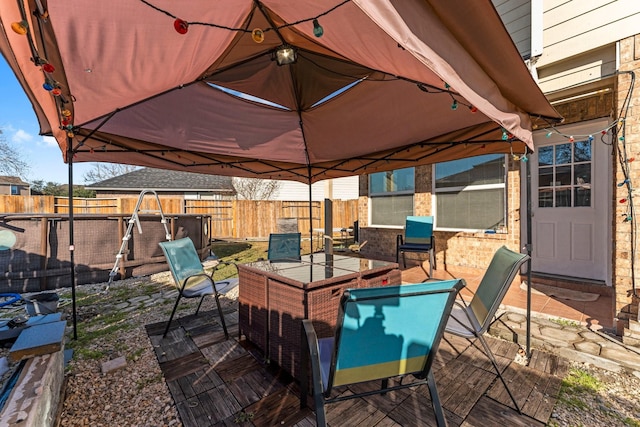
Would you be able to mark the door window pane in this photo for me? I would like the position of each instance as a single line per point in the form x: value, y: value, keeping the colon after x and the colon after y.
x: 564, y: 175
x: 563, y: 154
x: 545, y: 156
x: 582, y: 151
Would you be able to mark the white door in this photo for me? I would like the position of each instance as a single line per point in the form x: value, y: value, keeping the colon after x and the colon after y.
x: 570, y: 182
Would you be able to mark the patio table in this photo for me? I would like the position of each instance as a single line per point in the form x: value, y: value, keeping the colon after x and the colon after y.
x: 274, y: 297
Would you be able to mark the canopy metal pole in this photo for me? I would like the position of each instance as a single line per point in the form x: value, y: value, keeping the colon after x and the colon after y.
x: 71, y: 244
x: 529, y: 244
x: 310, y: 214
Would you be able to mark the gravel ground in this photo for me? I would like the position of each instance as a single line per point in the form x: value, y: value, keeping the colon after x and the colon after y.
x: 137, y: 395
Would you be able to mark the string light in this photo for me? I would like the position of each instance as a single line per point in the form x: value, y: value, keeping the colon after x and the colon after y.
x: 20, y: 27
x: 318, y: 31
x: 257, y: 35
x: 182, y: 26
x: 454, y: 104
x: 551, y: 131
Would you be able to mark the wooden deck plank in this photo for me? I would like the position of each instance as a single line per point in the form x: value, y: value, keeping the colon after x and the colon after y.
x: 353, y: 412
x: 223, y: 351
x: 387, y: 402
x: 174, y: 346
x: 253, y: 386
x: 190, y: 385
x: 230, y: 370
x: 281, y: 408
x: 487, y: 413
x: 448, y: 379
x: 208, y: 408
x: 417, y: 410
x: 185, y: 365
x: 551, y: 393
x: 473, y: 385
x: 228, y: 379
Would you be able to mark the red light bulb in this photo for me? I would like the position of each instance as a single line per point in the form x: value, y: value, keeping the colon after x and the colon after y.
x: 181, y: 26
x: 48, y: 68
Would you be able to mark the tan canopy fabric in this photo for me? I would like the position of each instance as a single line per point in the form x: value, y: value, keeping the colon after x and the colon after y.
x: 377, y: 91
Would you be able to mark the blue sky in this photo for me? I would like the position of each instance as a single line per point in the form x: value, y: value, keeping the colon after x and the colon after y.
x: 21, y: 130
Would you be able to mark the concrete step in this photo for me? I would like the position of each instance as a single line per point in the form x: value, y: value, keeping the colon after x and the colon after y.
x: 634, y: 326
x: 631, y: 340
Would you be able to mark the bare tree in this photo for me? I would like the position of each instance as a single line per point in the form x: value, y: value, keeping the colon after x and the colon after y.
x: 101, y: 171
x: 11, y: 162
x: 256, y: 189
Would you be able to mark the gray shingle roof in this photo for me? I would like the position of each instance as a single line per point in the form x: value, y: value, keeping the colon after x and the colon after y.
x: 14, y: 180
x: 165, y: 180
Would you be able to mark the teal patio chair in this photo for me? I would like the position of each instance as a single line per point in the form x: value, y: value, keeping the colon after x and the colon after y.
x: 190, y: 278
x: 418, y: 237
x: 381, y: 333
x: 471, y: 320
x: 284, y: 246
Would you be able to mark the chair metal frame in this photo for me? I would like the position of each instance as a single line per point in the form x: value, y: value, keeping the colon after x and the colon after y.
x: 413, y: 358
x: 195, y: 282
x: 418, y: 238
x: 472, y: 320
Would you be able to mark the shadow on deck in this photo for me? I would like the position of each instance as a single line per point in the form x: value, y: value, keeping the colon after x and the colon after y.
x: 218, y: 382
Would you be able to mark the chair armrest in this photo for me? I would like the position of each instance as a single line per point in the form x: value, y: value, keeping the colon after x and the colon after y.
x: 310, y: 353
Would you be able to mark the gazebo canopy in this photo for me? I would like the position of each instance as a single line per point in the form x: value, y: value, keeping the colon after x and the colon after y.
x: 192, y: 86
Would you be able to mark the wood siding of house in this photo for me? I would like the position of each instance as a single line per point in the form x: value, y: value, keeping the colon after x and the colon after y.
x: 22, y: 189
x: 574, y: 27
x: 516, y: 17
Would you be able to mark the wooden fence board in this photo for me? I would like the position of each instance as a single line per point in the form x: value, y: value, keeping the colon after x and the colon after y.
x: 235, y: 219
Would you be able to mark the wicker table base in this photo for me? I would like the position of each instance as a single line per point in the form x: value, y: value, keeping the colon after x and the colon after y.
x: 275, y: 297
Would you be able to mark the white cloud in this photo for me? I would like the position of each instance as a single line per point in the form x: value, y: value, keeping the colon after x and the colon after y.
x: 49, y: 141
x: 20, y: 136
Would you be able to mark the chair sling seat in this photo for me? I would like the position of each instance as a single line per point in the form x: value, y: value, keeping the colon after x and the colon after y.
x: 471, y: 320
x: 189, y: 276
x: 381, y: 333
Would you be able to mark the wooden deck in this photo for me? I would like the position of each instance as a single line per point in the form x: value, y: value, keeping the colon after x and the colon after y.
x: 218, y: 382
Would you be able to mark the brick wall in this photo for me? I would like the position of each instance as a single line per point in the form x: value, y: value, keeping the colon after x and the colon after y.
x: 452, y: 248
x: 626, y: 301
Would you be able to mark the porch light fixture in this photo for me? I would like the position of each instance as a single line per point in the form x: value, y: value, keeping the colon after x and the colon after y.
x: 285, y: 55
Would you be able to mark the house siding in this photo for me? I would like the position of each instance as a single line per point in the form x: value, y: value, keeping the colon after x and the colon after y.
x: 585, y: 44
x: 577, y: 26
x: 516, y: 17
x: 343, y: 189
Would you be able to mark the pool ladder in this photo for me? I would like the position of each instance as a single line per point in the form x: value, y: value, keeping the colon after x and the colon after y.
x: 136, y: 220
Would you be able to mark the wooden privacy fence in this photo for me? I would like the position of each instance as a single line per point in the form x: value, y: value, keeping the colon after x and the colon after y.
x: 235, y: 219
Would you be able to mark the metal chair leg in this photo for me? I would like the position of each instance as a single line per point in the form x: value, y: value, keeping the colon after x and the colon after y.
x: 173, y: 312
x: 224, y: 324
x: 435, y: 400
x: 492, y: 358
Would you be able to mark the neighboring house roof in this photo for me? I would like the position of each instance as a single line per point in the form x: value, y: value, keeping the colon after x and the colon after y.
x: 165, y: 180
x: 12, y: 180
